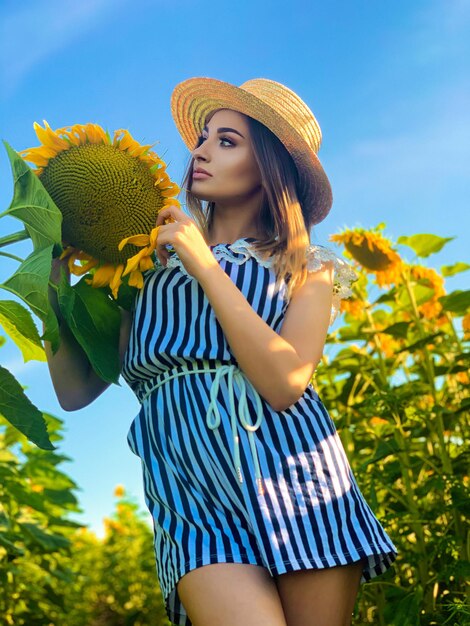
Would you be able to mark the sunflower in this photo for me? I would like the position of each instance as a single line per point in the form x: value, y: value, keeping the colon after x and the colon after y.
x: 374, y: 252
x: 466, y: 326
x: 432, y: 308
x: 353, y: 306
x: 109, y: 192
x: 388, y: 345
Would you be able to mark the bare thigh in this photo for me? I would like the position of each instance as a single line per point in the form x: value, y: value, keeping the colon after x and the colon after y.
x: 231, y: 594
x: 322, y: 597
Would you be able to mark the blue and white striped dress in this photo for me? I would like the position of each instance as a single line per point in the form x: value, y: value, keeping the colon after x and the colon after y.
x: 281, y: 494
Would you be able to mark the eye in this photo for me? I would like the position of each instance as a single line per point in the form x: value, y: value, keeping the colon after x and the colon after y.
x: 231, y: 143
x: 201, y: 140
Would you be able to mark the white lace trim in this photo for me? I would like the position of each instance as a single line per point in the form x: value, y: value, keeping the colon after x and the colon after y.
x: 226, y: 251
x: 344, y: 275
x: 241, y: 250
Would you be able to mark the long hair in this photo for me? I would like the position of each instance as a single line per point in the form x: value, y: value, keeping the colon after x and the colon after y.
x: 281, y: 216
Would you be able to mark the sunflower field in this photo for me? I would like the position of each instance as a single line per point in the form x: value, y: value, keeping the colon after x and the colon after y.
x: 394, y: 378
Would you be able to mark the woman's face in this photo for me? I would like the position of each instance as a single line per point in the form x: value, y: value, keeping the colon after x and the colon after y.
x: 226, y: 153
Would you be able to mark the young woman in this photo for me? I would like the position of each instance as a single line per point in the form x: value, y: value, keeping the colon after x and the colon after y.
x: 258, y: 519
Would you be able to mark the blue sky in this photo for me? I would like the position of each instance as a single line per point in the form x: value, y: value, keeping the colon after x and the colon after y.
x: 388, y: 82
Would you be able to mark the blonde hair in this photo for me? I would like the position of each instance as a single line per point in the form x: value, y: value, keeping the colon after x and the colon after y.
x: 281, y: 217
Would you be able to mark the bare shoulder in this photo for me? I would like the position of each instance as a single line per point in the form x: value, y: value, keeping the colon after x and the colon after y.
x: 307, y: 317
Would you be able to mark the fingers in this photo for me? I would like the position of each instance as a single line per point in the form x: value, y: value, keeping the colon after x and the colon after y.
x: 172, y: 214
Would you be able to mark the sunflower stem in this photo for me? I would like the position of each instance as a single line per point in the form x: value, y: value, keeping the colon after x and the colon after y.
x: 429, y: 369
x: 12, y: 256
x: 13, y: 238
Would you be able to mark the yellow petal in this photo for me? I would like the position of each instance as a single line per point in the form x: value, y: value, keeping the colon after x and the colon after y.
x: 67, y: 252
x: 79, y: 270
x: 126, y: 141
x: 37, y: 159
x: 116, y: 281
x: 77, y: 134
x: 103, y: 275
x: 137, y: 240
x: 44, y: 151
x: 136, y: 279
x: 95, y: 134
x: 171, y: 191
x: 133, y: 262
x: 71, y: 261
x: 146, y: 263
x: 153, y: 237
x: 50, y: 138
x: 171, y: 202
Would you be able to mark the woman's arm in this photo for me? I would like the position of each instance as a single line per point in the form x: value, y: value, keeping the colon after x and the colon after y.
x: 74, y: 380
x: 278, y: 365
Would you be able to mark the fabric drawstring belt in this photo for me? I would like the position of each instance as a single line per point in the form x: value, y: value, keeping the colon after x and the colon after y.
x: 234, y: 375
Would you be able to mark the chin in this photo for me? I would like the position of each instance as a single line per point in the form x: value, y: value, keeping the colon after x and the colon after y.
x: 201, y: 195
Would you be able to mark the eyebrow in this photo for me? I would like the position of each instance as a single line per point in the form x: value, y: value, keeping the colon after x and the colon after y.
x: 225, y: 129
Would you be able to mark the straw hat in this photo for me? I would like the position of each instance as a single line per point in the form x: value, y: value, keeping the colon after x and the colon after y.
x: 275, y: 106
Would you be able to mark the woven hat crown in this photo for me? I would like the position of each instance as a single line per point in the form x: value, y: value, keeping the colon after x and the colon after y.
x: 289, y: 106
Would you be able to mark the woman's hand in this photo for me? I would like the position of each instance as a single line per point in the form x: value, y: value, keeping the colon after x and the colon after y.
x: 183, y: 234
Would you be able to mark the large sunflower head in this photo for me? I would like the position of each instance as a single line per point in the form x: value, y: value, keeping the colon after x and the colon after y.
x: 109, y: 192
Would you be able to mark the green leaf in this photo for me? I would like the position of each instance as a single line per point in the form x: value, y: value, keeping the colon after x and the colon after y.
x: 33, y: 205
x: 126, y: 294
x: 406, y: 611
x: 456, y: 302
x: 451, y: 270
x: 60, y: 496
x: 421, y: 343
x: 384, y: 449
x: 10, y: 547
x: 94, y: 320
x: 24, y: 497
x: 424, y: 244
x: 19, y: 326
x: 30, y: 282
x: 422, y: 294
x: 16, y: 407
x: 48, y: 541
x: 400, y: 329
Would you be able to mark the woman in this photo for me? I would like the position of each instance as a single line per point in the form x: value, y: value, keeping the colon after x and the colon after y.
x: 258, y: 519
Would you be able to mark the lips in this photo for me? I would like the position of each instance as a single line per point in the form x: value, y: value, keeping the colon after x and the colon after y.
x: 199, y: 170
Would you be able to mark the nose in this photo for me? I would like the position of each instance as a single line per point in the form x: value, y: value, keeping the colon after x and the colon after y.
x: 201, y: 152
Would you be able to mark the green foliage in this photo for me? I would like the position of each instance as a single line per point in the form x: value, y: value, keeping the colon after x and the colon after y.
x: 53, y: 570
x: 30, y: 283
x: 425, y: 244
x: 35, y: 499
x: 98, y: 329
x: 94, y: 320
x: 16, y: 407
x: 397, y: 387
x: 33, y: 205
x: 115, y: 581
x: 18, y: 324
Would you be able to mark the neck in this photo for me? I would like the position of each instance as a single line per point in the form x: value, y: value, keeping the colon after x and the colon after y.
x: 232, y: 222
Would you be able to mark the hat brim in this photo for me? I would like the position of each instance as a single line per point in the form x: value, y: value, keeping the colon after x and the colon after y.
x: 193, y: 99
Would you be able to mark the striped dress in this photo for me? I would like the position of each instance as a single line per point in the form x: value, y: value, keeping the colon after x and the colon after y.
x: 227, y: 479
